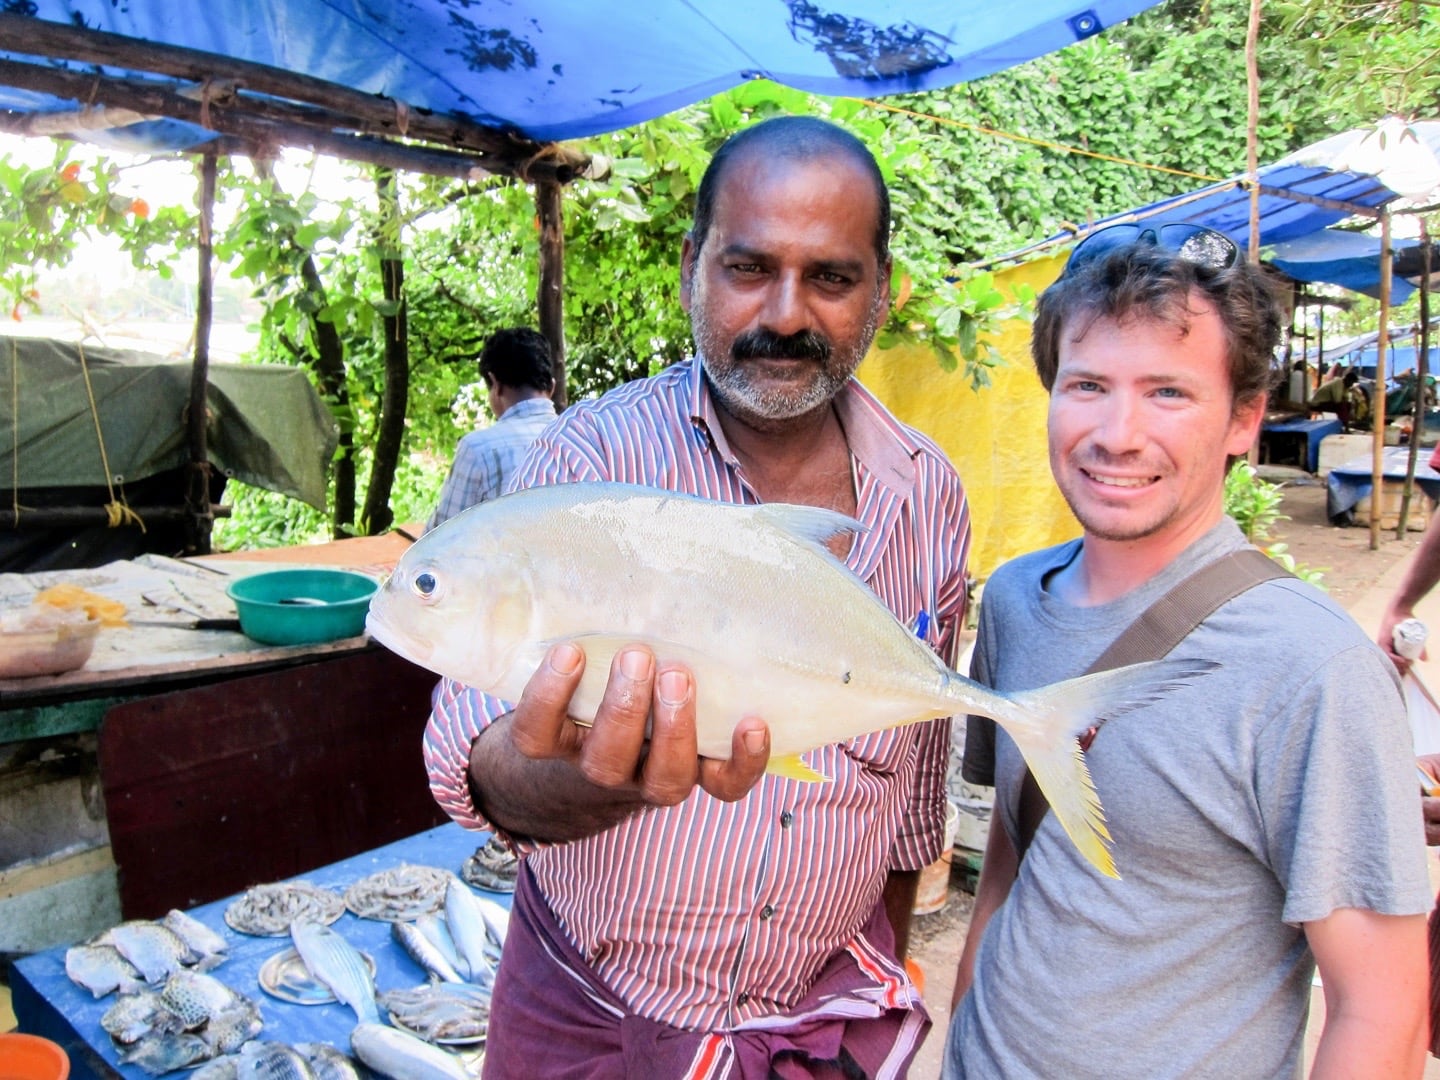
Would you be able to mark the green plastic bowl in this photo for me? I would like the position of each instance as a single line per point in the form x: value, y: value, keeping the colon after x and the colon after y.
x: 302, y: 607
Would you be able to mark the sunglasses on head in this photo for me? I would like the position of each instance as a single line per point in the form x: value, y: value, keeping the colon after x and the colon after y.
x: 1193, y: 243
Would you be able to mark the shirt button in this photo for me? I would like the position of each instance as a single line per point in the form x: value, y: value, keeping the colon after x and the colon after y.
x: 787, y: 819
x: 766, y: 911
x: 742, y: 999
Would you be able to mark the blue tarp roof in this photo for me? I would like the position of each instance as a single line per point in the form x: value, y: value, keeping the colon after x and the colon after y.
x: 1350, y: 260
x: 1289, y: 210
x: 563, y: 69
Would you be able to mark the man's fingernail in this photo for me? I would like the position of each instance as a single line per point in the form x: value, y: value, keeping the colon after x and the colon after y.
x: 673, y: 687
x: 565, y: 658
x: 755, y: 742
x: 635, y: 664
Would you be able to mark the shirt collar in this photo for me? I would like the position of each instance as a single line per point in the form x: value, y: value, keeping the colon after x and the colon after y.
x: 882, y: 445
x: 535, y: 406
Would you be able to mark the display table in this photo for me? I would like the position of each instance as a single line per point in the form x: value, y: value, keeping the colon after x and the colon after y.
x: 47, y: 1003
x: 1297, y: 440
x: 1347, y: 484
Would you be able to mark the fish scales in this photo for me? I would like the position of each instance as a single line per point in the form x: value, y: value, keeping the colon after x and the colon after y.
x: 748, y: 597
x: 337, y: 964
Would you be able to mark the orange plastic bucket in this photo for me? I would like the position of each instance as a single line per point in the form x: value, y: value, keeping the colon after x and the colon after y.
x: 29, y: 1057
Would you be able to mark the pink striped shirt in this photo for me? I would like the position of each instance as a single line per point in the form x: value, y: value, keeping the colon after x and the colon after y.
x: 709, y: 915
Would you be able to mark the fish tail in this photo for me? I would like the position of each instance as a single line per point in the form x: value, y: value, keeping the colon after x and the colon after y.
x: 1045, y: 724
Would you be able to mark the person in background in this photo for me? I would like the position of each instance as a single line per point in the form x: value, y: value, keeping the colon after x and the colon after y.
x: 515, y: 364
x: 1266, y: 817
x: 1339, y: 396
x: 1420, y: 577
x: 683, y: 916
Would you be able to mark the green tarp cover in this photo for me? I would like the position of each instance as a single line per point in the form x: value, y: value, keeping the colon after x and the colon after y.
x: 267, y: 425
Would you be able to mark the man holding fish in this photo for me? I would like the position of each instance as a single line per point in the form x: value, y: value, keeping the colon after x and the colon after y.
x: 680, y: 915
x: 1265, y: 819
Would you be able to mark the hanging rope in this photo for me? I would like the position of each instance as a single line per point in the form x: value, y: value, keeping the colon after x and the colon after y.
x: 982, y: 129
x: 117, y: 513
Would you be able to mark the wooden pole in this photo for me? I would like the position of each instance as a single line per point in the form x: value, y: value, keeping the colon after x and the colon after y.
x: 1377, y: 412
x: 1422, y: 371
x: 201, y: 521
x: 550, y: 296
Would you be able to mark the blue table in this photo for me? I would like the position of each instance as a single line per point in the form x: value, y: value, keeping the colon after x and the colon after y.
x: 47, y: 1003
x: 1347, y: 484
x: 1302, y: 432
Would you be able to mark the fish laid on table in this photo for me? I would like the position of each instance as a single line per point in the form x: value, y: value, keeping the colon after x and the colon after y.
x: 750, y: 599
x: 402, y: 1056
x: 101, y: 969
x: 156, y: 951
x: 210, y: 948
x: 337, y: 964
x: 444, y: 1012
x: 468, y: 928
x: 328, y: 1063
x: 423, y: 951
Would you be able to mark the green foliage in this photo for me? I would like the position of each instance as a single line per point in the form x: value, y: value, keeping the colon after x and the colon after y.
x: 265, y: 519
x: 1255, y: 505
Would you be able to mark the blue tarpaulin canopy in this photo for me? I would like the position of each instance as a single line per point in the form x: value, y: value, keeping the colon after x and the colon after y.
x: 543, y: 70
x: 1350, y: 260
x: 1301, y: 195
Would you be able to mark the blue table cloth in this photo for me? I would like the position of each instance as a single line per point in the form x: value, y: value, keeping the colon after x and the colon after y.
x: 1347, y: 484
x: 47, y: 1003
x: 1308, y: 431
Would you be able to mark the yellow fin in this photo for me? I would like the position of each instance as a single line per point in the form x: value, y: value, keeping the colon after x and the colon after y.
x: 793, y: 767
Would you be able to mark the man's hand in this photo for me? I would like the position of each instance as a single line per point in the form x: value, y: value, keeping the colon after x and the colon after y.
x: 1394, y: 616
x: 1430, y: 803
x: 541, y: 774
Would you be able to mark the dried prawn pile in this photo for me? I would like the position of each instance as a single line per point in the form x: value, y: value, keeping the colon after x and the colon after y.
x: 269, y: 910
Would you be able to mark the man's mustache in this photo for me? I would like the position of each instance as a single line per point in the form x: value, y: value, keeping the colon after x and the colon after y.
x: 762, y: 344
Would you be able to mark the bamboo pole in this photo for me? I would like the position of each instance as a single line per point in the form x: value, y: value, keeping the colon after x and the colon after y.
x: 1377, y: 412
x: 1252, y: 127
x: 201, y: 520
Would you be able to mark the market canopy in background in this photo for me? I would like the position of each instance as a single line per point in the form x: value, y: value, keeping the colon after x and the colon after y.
x: 558, y: 69
x: 1301, y: 195
x: 1350, y: 260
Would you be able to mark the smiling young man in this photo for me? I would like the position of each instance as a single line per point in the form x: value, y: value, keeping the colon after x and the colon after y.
x: 1265, y: 819
x: 678, y: 916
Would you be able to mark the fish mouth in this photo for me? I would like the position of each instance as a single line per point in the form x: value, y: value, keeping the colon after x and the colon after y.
x: 396, y: 642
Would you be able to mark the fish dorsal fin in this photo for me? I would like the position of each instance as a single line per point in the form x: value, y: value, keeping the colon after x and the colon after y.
x: 812, y: 523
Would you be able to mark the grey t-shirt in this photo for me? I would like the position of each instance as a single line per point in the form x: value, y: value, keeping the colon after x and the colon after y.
x: 1269, y: 793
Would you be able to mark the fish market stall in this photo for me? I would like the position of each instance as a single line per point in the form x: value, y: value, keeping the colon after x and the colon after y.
x: 291, y: 1007
x: 182, y: 762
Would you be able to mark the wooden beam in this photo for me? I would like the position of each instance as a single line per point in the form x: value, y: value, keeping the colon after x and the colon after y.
x: 550, y: 294
x: 154, y: 100
x: 1320, y: 200
x: 79, y: 517
x: 201, y: 522
x: 37, y: 37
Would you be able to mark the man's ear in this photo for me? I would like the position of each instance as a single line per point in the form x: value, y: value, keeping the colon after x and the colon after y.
x: 1245, y: 420
x: 688, y: 254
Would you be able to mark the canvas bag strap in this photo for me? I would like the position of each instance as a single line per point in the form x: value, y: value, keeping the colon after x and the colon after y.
x: 1161, y: 627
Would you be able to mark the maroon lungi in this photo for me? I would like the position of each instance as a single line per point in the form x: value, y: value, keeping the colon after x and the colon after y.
x: 551, y: 1018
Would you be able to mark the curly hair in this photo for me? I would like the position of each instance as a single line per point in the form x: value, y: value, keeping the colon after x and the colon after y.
x: 1145, y: 281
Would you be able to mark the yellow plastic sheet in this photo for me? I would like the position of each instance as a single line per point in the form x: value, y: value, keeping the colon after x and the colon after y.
x: 996, y: 437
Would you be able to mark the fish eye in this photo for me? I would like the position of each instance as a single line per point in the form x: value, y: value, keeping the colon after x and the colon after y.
x: 425, y: 585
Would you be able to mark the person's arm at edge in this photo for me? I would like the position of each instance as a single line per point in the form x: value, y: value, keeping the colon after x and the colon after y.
x: 536, y: 774
x: 1420, y: 578
x: 1374, y: 971
x: 997, y: 875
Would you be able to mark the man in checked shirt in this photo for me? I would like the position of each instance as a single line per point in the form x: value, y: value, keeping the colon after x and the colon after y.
x: 681, y: 916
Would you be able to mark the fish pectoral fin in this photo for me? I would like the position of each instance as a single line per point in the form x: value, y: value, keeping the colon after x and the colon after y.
x: 793, y: 767
x: 808, y: 522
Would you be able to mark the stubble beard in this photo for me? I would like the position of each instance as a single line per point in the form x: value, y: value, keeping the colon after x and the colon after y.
x: 732, y: 383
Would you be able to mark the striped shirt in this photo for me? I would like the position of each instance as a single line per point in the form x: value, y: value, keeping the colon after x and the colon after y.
x: 709, y: 915
x: 486, y: 459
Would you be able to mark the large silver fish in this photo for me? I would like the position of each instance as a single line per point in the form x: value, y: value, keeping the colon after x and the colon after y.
x: 749, y: 598
x: 401, y: 1056
x: 337, y: 964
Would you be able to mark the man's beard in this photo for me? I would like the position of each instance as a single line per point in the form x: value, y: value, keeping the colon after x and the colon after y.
x: 731, y: 376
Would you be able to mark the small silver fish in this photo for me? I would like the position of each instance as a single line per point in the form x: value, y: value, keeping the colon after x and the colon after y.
x: 440, y: 1012
x: 101, y: 969
x: 497, y: 918
x: 273, y: 1061
x: 194, y: 998
x: 210, y: 948
x: 420, y: 949
x: 135, y: 1015
x: 159, y: 1054
x: 749, y: 598
x: 327, y: 1062
x: 402, y: 1056
x: 156, y: 951
x: 337, y: 964
x: 467, y: 927
x: 437, y: 932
